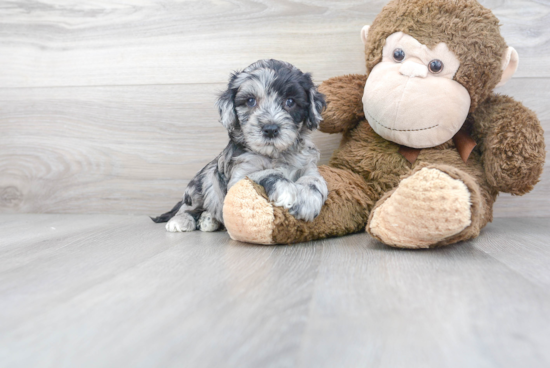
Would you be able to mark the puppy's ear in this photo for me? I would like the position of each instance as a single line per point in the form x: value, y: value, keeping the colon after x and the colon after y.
x: 316, y: 105
x: 226, y: 103
x: 226, y: 106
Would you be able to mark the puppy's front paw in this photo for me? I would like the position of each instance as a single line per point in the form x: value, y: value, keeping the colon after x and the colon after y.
x: 284, y: 194
x: 180, y: 223
x: 308, y: 204
x: 207, y: 222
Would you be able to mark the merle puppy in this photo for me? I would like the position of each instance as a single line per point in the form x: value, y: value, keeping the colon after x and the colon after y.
x: 269, y: 110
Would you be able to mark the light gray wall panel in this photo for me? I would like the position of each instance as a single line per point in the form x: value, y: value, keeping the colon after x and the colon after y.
x: 132, y: 149
x: 52, y: 43
x: 109, y: 106
x: 125, y: 149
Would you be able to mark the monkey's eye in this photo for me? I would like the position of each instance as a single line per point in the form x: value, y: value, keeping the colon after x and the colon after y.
x: 251, y: 102
x: 290, y: 103
x: 435, y: 66
x: 398, y: 55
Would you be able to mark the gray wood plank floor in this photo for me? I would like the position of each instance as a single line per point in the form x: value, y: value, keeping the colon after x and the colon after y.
x: 119, y: 291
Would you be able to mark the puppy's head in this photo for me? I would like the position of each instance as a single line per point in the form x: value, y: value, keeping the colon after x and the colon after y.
x: 269, y: 105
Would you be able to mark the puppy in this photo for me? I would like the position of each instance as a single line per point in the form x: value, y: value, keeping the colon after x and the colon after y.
x: 269, y: 110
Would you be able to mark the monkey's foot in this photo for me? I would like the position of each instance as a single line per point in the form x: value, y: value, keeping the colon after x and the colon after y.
x: 248, y: 216
x: 429, y: 208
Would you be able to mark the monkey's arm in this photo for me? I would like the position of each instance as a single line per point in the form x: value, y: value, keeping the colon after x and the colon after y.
x: 344, y: 102
x: 511, y: 142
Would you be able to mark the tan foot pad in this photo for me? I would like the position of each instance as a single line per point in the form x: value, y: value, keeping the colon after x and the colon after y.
x: 247, y: 215
x: 426, y: 208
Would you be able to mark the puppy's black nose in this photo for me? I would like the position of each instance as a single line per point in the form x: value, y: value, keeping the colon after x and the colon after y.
x: 270, y: 130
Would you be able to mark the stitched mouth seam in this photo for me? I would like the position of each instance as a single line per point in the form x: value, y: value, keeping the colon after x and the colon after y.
x: 399, y: 130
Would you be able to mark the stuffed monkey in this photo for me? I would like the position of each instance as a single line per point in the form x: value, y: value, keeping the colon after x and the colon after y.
x: 427, y: 146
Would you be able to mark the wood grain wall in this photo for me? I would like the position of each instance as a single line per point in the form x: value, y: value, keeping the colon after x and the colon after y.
x: 107, y: 107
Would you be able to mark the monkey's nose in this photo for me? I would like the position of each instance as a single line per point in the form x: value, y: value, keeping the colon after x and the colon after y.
x: 270, y: 130
x: 411, y: 69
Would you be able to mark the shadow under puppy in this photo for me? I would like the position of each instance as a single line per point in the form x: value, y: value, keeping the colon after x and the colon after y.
x: 269, y: 111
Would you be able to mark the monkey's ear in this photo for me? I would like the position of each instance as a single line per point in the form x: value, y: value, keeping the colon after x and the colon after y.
x: 226, y: 106
x: 510, y: 62
x: 316, y: 105
x: 364, y: 34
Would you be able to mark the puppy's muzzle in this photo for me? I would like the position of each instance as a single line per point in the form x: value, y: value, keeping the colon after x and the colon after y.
x: 270, y: 130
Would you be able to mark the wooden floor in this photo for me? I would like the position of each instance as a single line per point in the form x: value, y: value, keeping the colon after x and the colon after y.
x: 119, y: 291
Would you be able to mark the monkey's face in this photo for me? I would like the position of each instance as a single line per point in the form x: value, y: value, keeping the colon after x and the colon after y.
x: 410, y: 96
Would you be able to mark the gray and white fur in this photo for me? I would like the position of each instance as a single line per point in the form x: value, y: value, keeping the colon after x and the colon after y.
x: 269, y: 110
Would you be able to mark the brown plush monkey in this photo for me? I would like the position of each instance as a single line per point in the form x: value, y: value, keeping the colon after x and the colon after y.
x: 426, y: 145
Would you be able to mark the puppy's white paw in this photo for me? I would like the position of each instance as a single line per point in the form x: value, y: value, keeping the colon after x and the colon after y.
x: 308, y: 205
x: 180, y: 223
x: 284, y: 195
x: 207, y: 222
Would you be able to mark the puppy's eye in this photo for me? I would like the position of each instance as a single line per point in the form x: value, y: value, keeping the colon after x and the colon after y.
x: 251, y: 102
x: 290, y: 103
x: 398, y: 55
x: 435, y: 66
